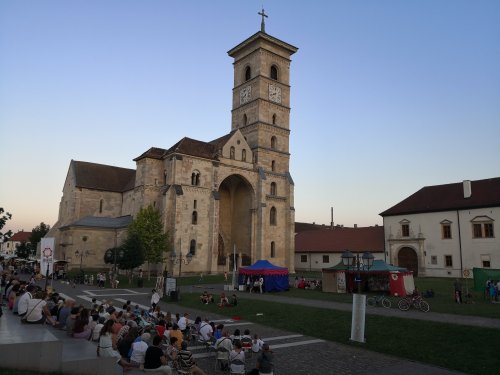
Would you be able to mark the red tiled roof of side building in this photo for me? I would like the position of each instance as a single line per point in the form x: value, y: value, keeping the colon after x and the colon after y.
x: 338, y: 240
x: 20, y: 236
x: 485, y: 193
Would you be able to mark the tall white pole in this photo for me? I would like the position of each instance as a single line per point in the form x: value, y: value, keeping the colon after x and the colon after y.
x: 234, y: 265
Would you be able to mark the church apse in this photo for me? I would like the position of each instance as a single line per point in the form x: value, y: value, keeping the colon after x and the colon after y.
x: 235, y: 220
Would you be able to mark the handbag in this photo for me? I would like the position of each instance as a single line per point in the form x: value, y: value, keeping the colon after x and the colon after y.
x: 24, y: 319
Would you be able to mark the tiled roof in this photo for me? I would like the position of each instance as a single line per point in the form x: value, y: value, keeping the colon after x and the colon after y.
x: 193, y: 147
x: 20, y: 236
x: 338, y: 240
x: 302, y: 227
x: 102, y: 222
x: 220, y: 142
x: 153, y: 153
x: 103, y: 177
x: 485, y: 193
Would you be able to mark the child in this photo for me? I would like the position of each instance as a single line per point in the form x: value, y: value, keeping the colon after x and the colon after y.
x: 257, y: 344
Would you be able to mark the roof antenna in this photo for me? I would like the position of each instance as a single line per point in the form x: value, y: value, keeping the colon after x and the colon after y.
x: 263, y: 24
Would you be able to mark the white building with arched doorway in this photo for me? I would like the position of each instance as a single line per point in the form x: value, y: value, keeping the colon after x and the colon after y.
x: 443, y: 230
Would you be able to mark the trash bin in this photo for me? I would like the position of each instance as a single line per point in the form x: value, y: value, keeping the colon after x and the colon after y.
x: 174, y: 295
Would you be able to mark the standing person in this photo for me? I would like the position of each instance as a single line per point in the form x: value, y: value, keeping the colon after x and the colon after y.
x: 155, y: 360
x: 155, y: 298
x: 186, y: 361
x: 225, y: 276
x: 458, y: 291
x: 261, y: 283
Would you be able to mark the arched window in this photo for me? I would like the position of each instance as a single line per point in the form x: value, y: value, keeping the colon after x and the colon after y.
x: 154, y: 203
x: 243, y: 155
x: 274, y: 119
x: 194, y: 218
x: 248, y: 73
x: 274, y: 141
x: 165, y: 177
x: 231, y: 153
x: 273, y: 249
x: 192, y: 247
x: 273, y: 165
x: 272, y: 216
x: 195, y: 178
x: 274, y: 72
x: 273, y: 188
x: 100, y: 206
x: 245, y: 119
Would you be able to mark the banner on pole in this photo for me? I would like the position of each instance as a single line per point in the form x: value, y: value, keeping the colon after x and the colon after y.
x: 47, y: 255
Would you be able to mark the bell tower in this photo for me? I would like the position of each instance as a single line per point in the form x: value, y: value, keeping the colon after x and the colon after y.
x: 261, y: 97
x: 261, y: 111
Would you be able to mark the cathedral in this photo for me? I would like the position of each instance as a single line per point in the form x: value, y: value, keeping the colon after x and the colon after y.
x: 231, y: 195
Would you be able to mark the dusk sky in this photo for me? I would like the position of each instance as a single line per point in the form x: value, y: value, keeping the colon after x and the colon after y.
x: 387, y: 96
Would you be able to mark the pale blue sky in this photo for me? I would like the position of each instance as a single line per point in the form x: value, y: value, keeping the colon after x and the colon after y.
x: 388, y: 96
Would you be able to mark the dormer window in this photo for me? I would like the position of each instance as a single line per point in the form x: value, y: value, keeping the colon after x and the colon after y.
x: 248, y: 73
x: 274, y: 72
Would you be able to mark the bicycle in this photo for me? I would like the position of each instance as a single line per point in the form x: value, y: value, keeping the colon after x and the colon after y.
x: 379, y: 300
x: 417, y: 302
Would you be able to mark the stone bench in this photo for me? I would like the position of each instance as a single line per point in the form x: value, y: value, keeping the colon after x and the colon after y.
x: 38, y: 347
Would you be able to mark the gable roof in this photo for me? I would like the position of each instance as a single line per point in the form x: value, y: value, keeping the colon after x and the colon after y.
x: 338, y: 240
x: 189, y: 146
x: 20, y: 236
x: 103, y: 177
x: 485, y: 193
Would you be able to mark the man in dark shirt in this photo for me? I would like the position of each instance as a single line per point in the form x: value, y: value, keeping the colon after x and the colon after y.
x: 155, y: 360
x: 265, y: 360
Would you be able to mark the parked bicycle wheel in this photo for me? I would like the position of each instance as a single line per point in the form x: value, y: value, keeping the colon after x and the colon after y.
x: 424, y: 306
x: 403, y: 305
x: 371, y: 301
x: 386, y: 302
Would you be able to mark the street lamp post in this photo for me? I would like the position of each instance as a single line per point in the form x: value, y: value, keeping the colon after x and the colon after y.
x: 186, y: 259
x: 47, y: 255
x: 354, y: 262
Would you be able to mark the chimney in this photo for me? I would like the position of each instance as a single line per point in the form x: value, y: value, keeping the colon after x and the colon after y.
x: 467, y: 189
x: 331, y: 213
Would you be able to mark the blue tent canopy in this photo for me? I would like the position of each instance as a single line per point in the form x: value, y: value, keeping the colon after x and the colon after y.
x: 275, y: 278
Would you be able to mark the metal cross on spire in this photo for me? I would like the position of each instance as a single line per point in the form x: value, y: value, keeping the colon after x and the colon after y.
x: 262, y: 24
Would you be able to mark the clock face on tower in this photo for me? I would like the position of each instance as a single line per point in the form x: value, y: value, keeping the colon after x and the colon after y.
x: 245, y: 94
x: 274, y: 93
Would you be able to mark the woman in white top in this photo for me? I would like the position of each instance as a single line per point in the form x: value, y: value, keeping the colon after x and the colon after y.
x: 257, y: 344
x: 38, y: 311
x: 237, y: 360
x: 106, y: 347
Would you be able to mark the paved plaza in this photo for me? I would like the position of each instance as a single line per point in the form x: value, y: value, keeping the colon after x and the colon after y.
x: 294, y: 353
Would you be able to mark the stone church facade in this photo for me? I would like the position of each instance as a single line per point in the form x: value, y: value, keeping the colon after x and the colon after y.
x: 232, y: 194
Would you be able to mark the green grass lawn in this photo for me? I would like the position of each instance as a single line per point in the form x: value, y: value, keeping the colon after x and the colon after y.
x: 467, y: 349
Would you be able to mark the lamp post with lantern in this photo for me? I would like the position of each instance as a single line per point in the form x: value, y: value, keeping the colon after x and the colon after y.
x: 358, y: 264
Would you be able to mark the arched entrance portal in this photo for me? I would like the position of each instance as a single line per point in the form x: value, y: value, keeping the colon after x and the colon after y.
x: 235, y: 219
x: 407, y: 257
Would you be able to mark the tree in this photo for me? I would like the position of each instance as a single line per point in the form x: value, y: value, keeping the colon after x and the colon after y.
x: 148, y: 228
x: 3, y: 220
x: 133, y: 253
x: 37, y: 233
x: 24, y: 250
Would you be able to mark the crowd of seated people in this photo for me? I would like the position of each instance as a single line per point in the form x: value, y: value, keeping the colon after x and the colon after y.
x: 137, y: 338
